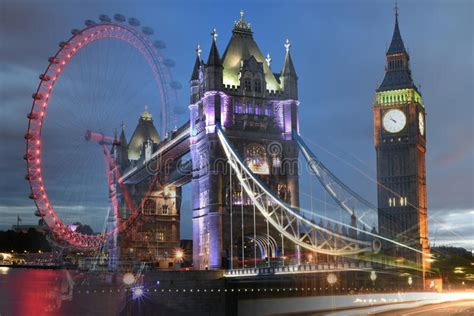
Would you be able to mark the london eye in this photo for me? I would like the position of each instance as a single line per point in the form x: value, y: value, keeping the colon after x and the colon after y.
x: 96, y: 83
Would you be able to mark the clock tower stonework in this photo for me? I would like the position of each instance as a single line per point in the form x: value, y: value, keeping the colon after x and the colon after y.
x: 400, y: 145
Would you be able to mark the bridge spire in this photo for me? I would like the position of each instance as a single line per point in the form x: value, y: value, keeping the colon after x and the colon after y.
x: 214, y: 68
x: 197, y: 64
x: 214, y: 57
x: 123, y: 138
x: 288, y: 74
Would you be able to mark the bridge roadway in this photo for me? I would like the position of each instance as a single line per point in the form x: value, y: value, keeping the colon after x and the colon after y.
x: 173, y: 147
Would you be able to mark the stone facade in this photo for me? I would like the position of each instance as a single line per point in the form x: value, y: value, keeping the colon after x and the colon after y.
x: 156, y: 237
x: 258, y: 110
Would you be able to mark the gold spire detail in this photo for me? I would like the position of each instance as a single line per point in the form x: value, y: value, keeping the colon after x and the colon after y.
x: 146, y: 116
x: 241, y: 25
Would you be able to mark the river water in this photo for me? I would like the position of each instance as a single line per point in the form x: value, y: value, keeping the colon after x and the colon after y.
x: 58, y: 292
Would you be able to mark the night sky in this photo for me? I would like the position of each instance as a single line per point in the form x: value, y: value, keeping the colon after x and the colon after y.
x: 338, y: 48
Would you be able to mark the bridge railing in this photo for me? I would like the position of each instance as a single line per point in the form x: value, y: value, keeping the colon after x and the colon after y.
x: 303, y: 268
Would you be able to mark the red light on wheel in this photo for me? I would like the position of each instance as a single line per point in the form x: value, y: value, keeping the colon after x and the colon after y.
x: 66, y: 51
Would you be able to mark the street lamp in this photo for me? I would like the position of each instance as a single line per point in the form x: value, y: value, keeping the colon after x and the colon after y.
x: 179, y: 254
x: 331, y: 278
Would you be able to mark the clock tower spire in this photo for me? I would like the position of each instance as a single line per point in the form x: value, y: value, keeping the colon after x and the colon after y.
x: 400, y: 145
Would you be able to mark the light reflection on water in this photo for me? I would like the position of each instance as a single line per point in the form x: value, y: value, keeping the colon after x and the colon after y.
x: 4, y: 270
x: 52, y: 292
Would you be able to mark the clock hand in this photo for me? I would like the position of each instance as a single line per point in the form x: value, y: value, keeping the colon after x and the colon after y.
x: 393, y: 120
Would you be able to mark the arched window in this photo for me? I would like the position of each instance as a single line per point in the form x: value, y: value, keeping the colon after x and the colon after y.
x: 256, y: 159
x: 247, y: 84
x: 149, y: 207
x: 258, y: 109
x: 249, y: 109
x: 268, y: 110
x: 258, y: 85
x: 238, y: 107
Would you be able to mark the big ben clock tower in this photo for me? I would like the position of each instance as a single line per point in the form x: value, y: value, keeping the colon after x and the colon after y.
x: 400, y: 144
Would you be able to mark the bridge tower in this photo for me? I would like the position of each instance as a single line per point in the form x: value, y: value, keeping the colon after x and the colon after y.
x: 258, y: 109
x: 400, y: 144
x: 155, y: 237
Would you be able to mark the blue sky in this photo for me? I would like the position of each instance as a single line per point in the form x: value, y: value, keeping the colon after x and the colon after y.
x: 338, y: 48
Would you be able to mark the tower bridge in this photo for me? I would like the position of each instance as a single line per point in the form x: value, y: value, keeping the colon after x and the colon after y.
x: 244, y: 141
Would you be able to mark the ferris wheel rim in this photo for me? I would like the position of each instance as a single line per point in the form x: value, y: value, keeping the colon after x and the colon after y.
x: 80, y: 39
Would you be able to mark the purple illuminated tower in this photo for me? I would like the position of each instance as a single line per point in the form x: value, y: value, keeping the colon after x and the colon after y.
x: 258, y: 109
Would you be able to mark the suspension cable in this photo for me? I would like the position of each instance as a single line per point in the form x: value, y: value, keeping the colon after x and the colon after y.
x: 231, y: 201
x: 242, y: 223
x: 254, y: 235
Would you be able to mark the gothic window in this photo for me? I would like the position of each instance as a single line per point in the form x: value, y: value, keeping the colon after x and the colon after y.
x: 256, y: 159
x: 250, y: 109
x: 160, y: 236
x: 268, y: 110
x: 258, y: 109
x: 164, y: 209
x: 247, y: 84
x: 403, y: 201
x: 238, y: 107
x: 258, y: 85
x: 149, y: 207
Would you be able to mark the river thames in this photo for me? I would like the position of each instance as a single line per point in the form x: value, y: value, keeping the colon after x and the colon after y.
x: 50, y: 292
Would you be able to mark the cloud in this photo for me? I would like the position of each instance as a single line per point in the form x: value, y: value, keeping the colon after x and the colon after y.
x: 337, y: 72
x: 452, y: 227
x: 454, y: 155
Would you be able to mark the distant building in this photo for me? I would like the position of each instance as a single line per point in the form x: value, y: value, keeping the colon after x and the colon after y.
x: 25, y: 228
x: 156, y: 236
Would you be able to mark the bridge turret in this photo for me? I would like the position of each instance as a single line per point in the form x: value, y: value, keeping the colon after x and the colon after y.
x: 213, y: 77
x: 145, y: 130
x: 195, y: 82
x: 240, y: 92
x: 288, y: 77
x: 121, y: 150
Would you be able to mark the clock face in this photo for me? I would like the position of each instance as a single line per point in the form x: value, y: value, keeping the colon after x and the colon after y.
x: 394, y: 121
x: 421, y: 123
